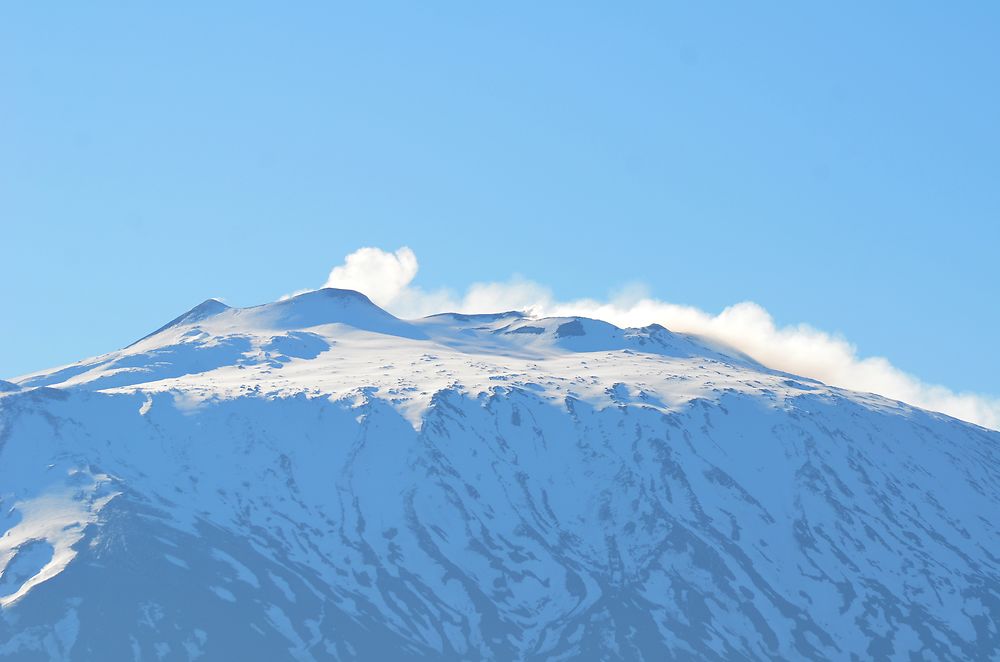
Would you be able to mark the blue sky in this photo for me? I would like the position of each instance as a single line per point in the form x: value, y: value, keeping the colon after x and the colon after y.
x: 837, y: 164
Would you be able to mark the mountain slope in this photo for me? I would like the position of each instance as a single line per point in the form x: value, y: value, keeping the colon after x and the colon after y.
x: 316, y: 479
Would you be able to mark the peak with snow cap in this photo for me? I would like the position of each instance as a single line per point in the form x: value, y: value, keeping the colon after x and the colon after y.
x: 213, y: 336
x: 327, y: 306
x: 203, y: 310
x: 316, y: 478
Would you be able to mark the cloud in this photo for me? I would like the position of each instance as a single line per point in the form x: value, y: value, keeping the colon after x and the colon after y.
x: 799, y: 349
x: 380, y: 275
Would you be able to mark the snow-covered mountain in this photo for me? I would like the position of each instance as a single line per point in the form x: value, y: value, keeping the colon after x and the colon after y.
x: 315, y: 478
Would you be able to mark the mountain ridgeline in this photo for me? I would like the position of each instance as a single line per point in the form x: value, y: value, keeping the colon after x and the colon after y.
x: 317, y: 479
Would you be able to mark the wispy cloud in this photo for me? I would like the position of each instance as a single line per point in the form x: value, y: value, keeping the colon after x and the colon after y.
x: 386, y: 277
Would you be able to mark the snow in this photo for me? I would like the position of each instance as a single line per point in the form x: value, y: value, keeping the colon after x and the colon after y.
x: 41, y: 544
x: 316, y: 477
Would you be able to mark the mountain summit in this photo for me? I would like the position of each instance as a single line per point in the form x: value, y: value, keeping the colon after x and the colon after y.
x: 316, y: 478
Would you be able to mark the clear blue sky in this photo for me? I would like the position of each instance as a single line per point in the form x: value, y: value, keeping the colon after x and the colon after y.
x: 838, y: 163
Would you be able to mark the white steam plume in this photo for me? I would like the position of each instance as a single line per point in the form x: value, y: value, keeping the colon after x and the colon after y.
x: 799, y: 349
